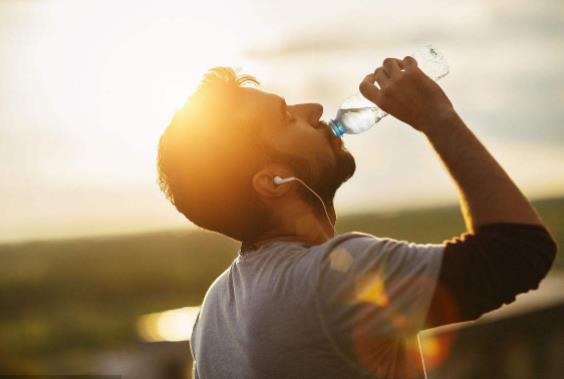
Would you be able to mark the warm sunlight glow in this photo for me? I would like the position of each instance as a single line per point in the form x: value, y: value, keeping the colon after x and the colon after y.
x: 89, y: 86
x: 172, y: 325
x: 143, y: 69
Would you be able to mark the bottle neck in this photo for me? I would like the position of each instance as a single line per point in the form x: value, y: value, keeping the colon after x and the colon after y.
x: 337, y: 128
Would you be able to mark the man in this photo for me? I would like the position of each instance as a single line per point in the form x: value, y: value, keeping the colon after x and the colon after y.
x: 302, y: 302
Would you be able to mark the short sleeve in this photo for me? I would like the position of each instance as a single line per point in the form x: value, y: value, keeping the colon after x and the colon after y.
x: 376, y: 288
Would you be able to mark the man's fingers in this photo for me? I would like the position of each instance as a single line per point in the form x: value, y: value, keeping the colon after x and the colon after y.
x: 392, y: 67
x: 409, y: 62
x: 381, y: 77
x: 367, y: 87
x: 379, y: 71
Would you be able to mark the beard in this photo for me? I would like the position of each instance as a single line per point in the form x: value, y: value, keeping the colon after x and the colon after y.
x: 327, y: 179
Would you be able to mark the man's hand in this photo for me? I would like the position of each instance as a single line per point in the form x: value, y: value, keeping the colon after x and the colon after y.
x: 487, y: 193
x: 407, y: 93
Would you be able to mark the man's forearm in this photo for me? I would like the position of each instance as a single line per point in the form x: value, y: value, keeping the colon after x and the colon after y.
x: 487, y: 194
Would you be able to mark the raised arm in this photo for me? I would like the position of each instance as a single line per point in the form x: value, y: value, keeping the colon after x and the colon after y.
x: 507, y: 249
x: 487, y: 194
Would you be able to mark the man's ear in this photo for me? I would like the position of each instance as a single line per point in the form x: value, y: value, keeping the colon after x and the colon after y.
x: 263, y: 181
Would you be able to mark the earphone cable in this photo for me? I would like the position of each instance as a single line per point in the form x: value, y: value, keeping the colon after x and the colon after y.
x: 320, y: 199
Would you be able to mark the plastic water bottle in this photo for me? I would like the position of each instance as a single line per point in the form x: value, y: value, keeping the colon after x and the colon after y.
x: 358, y: 114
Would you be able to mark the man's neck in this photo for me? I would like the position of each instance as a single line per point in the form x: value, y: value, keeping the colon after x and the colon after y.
x: 307, y: 227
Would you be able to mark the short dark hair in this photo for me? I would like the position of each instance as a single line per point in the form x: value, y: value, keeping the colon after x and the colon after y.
x: 208, y: 155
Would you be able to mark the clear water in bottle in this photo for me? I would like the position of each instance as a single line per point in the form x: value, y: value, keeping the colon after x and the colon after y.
x: 357, y: 114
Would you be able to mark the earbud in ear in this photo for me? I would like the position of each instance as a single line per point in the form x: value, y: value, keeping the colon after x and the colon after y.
x: 281, y: 180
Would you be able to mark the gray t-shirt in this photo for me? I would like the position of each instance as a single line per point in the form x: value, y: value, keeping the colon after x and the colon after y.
x: 348, y: 308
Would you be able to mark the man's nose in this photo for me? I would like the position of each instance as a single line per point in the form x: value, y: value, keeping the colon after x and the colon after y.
x: 311, y: 112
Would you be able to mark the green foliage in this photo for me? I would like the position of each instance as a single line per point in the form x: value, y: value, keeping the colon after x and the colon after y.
x: 88, y: 293
x: 83, y: 294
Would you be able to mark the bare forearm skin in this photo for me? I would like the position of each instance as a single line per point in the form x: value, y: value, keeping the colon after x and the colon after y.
x: 487, y: 194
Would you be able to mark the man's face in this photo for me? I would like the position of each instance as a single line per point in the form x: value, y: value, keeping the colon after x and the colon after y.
x: 296, y: 133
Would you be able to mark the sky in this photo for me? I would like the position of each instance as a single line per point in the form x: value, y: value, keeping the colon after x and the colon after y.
x: 87, y: 87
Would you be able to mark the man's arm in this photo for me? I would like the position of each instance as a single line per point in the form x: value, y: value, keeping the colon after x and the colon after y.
x: 507, y: 250
x: 487, y: 194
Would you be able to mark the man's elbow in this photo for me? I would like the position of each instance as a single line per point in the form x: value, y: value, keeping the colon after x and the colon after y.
x: 489, y: 268
x: 547, y: 249
x: 529, y: 254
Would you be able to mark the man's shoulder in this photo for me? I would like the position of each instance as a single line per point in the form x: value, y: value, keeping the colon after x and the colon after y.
x: 357, y: 242
x: 219, y: 283
x: 348, y: 238
x: 363, y: 249
x: 365, y: 240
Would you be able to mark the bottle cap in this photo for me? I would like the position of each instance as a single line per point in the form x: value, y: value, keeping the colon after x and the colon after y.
x: 337, y: 128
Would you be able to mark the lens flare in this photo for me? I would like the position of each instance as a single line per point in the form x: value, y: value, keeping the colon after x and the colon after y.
x: 171, y: 325
x: 370, y: 289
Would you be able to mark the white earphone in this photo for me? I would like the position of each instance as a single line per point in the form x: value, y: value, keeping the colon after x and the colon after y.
x: 280, y: 180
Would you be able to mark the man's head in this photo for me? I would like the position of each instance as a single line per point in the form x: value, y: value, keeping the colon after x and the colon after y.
x: 219, y: 155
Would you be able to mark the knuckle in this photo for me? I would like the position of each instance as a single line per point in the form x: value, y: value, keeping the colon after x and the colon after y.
x: 380, y: 74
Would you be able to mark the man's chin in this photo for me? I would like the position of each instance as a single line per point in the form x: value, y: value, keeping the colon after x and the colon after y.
x: 343, y: 171
x: 346, y: 165
x: 345, y: 162
x: 330, y: 178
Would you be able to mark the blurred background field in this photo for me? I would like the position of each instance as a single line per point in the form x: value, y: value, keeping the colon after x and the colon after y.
x: 65, y: 302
